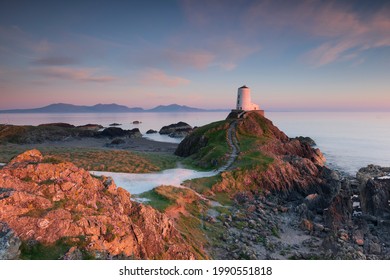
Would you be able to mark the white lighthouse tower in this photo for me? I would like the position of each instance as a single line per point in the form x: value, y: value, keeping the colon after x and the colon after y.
x: 244, y: 102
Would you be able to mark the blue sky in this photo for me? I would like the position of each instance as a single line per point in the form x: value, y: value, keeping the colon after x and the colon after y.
x: 294, y: 55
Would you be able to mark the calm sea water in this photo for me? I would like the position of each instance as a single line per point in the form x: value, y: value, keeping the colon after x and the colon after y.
x: 348, y: 140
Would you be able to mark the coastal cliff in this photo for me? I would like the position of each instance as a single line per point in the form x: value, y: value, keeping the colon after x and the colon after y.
x: 273, y: 197
x: 284, y: 202
x: 57, y: 210
x: 268, y: 159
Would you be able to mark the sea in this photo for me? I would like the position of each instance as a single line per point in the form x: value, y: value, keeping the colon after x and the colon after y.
x: 349, y: 140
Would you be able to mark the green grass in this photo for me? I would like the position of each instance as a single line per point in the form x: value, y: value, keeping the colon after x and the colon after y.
x: 223, y: 210
x: 275, y: 232
x: 39, y: 251
x: 161, y: 160
x: 252, y: 159
x: 223, y: 198
x: 27, y: 179
x: 202, y: 185
x: 35, y: 250
x: 97, y: 159
x: 156, y: 200
x: 250, y: 156
x: 53, y: 160
x: 216, y: 152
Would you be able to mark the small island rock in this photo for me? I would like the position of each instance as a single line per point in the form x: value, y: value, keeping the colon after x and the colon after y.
x: 180, y: 129
x: 151, y: 131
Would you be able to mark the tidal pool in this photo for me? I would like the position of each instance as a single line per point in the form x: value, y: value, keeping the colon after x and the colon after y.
x: 137, y: 183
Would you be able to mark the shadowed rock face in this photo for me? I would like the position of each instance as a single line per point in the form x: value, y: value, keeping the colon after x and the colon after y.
x: 60, y: 132
x: 113, y: 132
x: 9, y: 243
x: 176, y: 130
x: 45, y: 202
x: 375, y: 190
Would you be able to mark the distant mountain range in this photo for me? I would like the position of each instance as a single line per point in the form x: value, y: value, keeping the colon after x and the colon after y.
x: 105, y: 108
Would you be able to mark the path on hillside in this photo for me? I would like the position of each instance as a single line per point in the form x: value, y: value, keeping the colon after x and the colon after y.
x: 233, y: 143
x: 235, y: 150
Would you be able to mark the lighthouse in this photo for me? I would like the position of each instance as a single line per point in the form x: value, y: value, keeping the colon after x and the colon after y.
x: 244, y: 102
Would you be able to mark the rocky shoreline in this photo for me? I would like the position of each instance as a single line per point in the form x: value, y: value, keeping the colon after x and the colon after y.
x: 49, y: 132
x: 294, y: 207
x: 273, y: 227
x: 279, y: 201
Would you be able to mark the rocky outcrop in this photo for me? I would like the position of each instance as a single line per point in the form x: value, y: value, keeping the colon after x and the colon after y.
x: 113, y: 132
x: 376, y: 197
x: 45, y: 202
x: 290, y: 167
x: 375, y: 190
x: 60, y: 132
x: 306, y: 140
x: 67, y: 125
x: 191, y: 145
x: 9, y: 243
x: 151, y: 131
x: 177, y: 130
x: 117, y: 141
x: 39, y: 134
x: 94, y: 127
x: 276, y: 143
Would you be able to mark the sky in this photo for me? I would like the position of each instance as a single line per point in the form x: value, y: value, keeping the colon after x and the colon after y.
x: 294, y: 55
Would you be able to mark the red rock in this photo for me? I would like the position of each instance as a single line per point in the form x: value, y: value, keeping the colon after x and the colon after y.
x: 46, y: 202
x: 359, y: 241
x: 306, y: 225
x: 27, y: 157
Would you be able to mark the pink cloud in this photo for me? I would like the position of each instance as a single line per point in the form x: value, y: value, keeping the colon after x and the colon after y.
x: 350, y: 37
x: 75, y: 74
x: 341, y: 29
x: 197, y: 59
x: 328, y: 53
x: 156, y: 77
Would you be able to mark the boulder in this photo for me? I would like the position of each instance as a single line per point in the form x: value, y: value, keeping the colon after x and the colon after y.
x: 179, y: 133
x: 375, y: 197
x: 114, y: 124
x: 174, y: 130
x: 117, y: 141
x: 9, y: 243
x: 93, y: 127
x: 113, y: 132
x: 151, y: 131
x: 374, y: 189
x: 306, y: 140
x: 28, y: 156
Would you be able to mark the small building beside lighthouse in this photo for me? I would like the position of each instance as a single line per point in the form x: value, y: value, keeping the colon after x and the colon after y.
x: 244, y: 101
